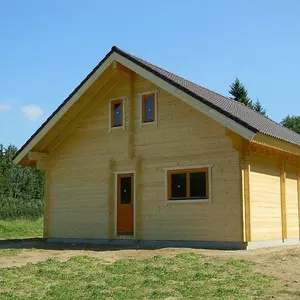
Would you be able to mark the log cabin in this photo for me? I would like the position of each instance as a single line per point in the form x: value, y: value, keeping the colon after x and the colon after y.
x: 137, y: 155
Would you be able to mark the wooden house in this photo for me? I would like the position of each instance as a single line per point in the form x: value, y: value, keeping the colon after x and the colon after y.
x: 136, y: 154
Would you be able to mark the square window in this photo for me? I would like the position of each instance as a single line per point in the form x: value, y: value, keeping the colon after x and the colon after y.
x: 148, y: 108
x: 188, y: 184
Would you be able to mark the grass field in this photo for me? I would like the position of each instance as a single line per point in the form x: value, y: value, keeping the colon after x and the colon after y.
x: 37, y: 270
x: 21, y: 229
x: 185, y: 276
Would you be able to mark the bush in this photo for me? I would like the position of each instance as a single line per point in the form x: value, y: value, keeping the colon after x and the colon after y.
x: 21, y: 188
x: 12, y: 208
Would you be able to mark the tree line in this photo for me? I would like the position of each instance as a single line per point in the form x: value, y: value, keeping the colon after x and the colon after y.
x: 239, y: 93
x: 21, y: 188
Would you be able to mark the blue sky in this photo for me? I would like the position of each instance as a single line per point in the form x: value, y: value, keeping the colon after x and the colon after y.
x: 48, y: 47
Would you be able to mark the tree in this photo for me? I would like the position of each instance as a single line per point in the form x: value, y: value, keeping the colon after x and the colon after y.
x: 258, y: 108
x: 292, y: 122
x: 240, y: 93
x: 21, y: 188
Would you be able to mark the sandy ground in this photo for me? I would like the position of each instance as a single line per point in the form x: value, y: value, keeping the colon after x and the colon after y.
x: 281, y: 262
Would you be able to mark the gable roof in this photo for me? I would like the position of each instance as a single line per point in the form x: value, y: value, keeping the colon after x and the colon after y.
x: 229, y: 107
x: 233, y: 110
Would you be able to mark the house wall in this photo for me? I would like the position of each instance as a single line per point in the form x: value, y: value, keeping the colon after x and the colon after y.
x: 267, y: 217
x: 80, y: 193
x: 292, y: 202
x: 265, y: 199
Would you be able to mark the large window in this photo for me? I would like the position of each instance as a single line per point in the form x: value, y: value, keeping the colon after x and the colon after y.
x: 188, y: 184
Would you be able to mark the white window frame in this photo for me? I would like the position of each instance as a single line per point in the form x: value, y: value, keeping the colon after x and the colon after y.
x: 140, y: 96
x: 209, y: 200
x: 110, y: 127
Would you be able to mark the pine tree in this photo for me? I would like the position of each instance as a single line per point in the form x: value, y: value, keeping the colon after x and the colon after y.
x: 258, y: 108
x: 239, y: 93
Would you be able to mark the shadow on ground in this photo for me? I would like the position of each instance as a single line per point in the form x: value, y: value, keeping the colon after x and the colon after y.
x: 40, y: 243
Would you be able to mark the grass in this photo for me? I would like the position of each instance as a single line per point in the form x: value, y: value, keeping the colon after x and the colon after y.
x: 10, y: 252
x: 19, y: 229
x: 185, y: 276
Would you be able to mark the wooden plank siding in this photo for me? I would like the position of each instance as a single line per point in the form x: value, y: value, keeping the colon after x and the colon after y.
x: 283, y: 197
x: 292, y: 214
x: 246, y: 193
x: 80, y: 170
x: 274, y: 199
x: 266, y: 221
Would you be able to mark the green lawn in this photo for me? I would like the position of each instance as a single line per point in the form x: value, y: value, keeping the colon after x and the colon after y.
x: 185, y: 276
x: 10, y: 252
x: 19, y: 229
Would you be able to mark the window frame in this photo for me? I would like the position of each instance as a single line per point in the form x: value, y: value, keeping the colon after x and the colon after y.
x: 111, y: 113
x: 142, y: 97
x: 188, y: 170
x: 144, y: 113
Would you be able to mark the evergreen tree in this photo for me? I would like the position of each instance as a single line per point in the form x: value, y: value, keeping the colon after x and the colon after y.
x: 258, y: 108
x: 239, y: 93
x: 292, y: 122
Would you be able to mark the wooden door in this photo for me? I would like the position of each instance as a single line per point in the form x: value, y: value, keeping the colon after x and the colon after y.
x: 125, y: 204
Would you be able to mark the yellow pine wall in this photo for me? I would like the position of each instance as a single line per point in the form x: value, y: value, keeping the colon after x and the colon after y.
x: 265, y: 199
x: 265, y: 195
x: 80, y: 173
x: 292, y: 202
x: 186, y: 137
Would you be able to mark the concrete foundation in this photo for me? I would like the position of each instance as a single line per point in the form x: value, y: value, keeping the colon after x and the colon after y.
x: 174, y: 244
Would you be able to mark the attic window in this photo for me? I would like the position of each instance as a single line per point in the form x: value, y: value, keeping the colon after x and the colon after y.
x: 116, y: 111
x: 148, y: 108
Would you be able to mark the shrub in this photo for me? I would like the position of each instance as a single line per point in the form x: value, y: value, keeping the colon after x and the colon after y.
x: 12, y: 208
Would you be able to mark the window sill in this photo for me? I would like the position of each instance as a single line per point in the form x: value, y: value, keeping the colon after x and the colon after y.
x: 189, y: 201
x: 116, y: 128
x: 148, y: 123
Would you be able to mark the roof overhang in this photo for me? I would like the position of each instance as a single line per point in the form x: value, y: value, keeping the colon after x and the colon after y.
x: 276, y: 144
x: 118, y: 56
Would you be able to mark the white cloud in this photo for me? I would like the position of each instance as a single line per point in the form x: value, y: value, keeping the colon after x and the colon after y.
x: 5, y: 107
x: 32, y: 112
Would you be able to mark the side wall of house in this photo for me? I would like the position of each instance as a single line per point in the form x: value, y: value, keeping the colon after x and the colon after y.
x: 265, y: 199
x: 274, y: 199
x: 292, y: 210
x: 81, y: 181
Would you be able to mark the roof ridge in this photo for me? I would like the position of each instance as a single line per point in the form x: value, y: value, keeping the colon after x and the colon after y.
x: 175, y: 74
